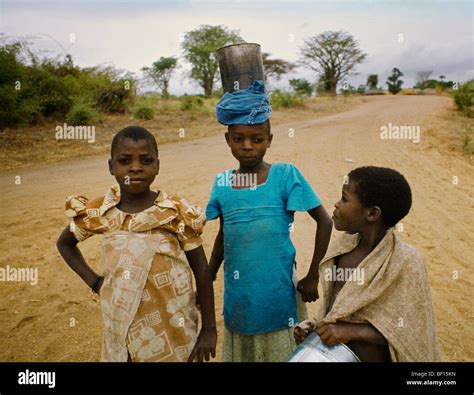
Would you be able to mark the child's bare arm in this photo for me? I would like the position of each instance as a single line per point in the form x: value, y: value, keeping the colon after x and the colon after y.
x: 206, y: 343
x: 344, y: 332
x: 370, y: 334
x: 67, y: 246
x: 217, y: 255
x: 308, y: 286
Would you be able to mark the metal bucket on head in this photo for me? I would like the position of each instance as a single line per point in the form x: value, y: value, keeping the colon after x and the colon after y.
x: 240, y: 65
x: 313, y: 349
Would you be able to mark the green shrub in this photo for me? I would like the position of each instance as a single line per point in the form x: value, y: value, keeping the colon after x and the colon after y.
x: 361, y: 89
x: 81, y: 115
x: 189, y: 103
x: 11, y: 71
x: 143, y: 112
x: 32, y: 88
x: 301, y: 86
x: 114, y: 98
x: 41, y: 92
x: 53, y: 94
x: 463, y: 97
x: 280, y: 98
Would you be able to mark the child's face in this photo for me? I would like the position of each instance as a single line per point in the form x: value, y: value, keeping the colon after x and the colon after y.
x: 249, y: 143
x: 134, y: 165
x: 349, y: 214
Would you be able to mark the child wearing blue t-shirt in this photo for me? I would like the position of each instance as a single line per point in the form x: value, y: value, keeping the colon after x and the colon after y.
x: 256, y: 206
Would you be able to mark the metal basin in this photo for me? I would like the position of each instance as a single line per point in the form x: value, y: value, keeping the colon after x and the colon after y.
x: 313, y: 349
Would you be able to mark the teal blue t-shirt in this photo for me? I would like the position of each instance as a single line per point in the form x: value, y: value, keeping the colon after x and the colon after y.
x: 259, y: 257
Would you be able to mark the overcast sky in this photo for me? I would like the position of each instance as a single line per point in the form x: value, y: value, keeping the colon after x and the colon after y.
x: 437, y: 35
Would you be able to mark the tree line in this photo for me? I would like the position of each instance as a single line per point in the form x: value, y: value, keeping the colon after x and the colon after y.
x: 332, y: 55
x: 31, y: 88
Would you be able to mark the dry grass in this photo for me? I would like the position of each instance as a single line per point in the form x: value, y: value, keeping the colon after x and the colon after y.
x: 454, y: 133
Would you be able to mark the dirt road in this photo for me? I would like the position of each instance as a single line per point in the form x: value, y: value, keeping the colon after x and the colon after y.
x: 59, y: 320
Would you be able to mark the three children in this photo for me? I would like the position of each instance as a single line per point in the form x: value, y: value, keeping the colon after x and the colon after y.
x: 152, y: 246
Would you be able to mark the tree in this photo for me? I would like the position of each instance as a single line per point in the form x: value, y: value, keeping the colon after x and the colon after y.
x: 333, y: 55
x: 393, y: 81
x: 276, y: 67
x: 429, y: 84
x: 199, y: 48
x: 301, y: 86
x: 422, y: 77
x: 441, y: 83
x: 321, y: 86
x: 160, y: 73
x: 372, y: 81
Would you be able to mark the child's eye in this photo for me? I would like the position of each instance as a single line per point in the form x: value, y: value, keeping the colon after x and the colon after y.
x: 258, y: 141
x: 237, y: 139
x: 124, y: 161
x: 147, y: 161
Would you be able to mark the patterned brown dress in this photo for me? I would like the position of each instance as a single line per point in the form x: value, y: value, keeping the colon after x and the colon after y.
x: 147, y: 298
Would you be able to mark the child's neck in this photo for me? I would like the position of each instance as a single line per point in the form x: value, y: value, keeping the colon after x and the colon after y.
x: 135, y: 203
x: 256, y: 169
x: 371, y: 236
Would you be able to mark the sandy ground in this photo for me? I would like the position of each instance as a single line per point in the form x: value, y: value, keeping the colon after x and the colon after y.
x: 59, y: 320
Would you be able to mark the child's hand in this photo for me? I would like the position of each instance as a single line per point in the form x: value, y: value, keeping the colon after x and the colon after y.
x: 332, y: 334
x: 308, y: 288
x: 205, y: 346
x: 302, y: 330
x: 98, y: 285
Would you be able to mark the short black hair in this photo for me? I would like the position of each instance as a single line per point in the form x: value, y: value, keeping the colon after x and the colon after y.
x: 385, y: 188
x: 268, y: 127
x: 135, y: 133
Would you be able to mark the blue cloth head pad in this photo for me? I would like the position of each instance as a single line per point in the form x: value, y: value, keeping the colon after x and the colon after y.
x: 244, y: 107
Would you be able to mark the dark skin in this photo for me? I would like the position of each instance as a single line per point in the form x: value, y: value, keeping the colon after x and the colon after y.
x: 352, y: 217
x: 135, y: 165
x: 248, y: 144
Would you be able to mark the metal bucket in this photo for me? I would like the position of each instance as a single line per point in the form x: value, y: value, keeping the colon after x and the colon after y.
x: 240, y: 65
x: 313, y: 349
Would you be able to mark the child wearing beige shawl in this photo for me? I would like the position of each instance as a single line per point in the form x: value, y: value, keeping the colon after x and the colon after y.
x: 375, y: 292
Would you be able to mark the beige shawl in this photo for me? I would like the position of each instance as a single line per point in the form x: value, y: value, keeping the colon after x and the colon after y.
x: 394, y: 297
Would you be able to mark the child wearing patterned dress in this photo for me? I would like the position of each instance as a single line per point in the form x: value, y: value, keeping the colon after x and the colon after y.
x: 151, y: 247
x: 256, y: 205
